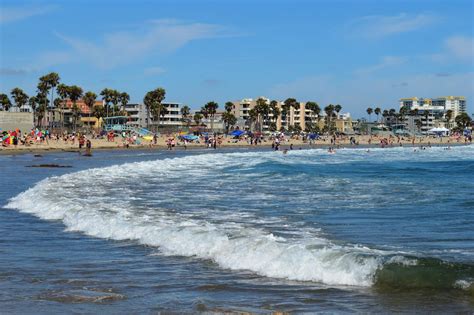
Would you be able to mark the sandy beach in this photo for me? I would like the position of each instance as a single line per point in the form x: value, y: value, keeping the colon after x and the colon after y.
x: 295, y: 143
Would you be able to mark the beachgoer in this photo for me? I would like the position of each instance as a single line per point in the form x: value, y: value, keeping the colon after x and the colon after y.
x: 88, y: 147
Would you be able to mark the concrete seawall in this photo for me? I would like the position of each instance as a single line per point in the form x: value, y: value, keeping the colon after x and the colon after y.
x: 11, y: 121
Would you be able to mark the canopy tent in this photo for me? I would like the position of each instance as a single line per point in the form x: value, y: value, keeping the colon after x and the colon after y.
x: 237, y: 133
x: 442, y: 129
x: 439, y: 131
x: 190, y: 137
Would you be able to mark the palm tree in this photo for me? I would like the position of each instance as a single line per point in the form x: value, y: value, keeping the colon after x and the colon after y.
x: 42, y: 100
x: 197, y: 118
x: 53, y: 80
x: 377, y: 112
x: 185, y: 112
x: 291, y: 103
x: 63, y: 91
x: 229, y: 120
x: 115, y: 99
x: 5, y: 101
x: 448, y: 116
x: 370, y: 111
x: 98, y: 111
x: 263, y: 110
x: 329, y: 110
x: 46, y: 84
x: 33, y: 102
x: 89, y: 99
x: 253, y: 117
x: 274, y: 110
x: 210, y: 111
x: 285, y: 109
x: 385, y: 115
x: 124, y: 99
x: 402, y: 113
x: 106, y: 98
x: 152, y: 101
x: 229, y: 106
x: 337, y: 108
x: 75, y: 93
x: 19, y: 97
x: 463, y: 120
x: 315, y: 110
x: 149, y: 104
x: 42, y: 104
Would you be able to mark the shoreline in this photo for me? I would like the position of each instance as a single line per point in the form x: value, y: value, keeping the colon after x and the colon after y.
x: 296, y: 146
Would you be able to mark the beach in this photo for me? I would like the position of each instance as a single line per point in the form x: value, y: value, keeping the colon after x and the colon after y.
x: 228, y: 142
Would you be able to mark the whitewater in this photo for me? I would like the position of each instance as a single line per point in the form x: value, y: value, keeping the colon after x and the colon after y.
x: 242, y: 211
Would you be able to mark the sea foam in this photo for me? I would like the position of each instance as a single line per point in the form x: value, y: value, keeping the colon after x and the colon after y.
x: 100, y: 203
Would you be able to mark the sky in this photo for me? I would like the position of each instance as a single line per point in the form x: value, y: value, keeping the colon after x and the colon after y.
x: 356, y: 53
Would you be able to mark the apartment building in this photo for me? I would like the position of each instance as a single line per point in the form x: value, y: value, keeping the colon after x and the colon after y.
x: 299, y: 116
x: 171, y: 118
x: 436, y: 106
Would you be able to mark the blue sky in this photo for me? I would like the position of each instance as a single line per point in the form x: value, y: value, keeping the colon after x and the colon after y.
x: 356, y: 53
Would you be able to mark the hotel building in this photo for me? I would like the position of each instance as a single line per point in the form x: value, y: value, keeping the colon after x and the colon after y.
x: 436, y: 106
x: 298, y: 116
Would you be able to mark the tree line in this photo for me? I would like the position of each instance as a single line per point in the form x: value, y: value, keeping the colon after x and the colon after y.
x: 45, y: 102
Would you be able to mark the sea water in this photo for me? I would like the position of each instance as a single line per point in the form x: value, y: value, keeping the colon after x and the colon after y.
x: 360, y: 230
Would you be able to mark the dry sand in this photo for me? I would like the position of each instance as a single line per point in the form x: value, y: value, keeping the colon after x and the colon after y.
x: 374, y: 141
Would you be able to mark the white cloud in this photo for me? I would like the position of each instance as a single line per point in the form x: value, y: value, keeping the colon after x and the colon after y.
x: 379, y: 26
x: 461, y: 47
x: 154, y: 71
x: 12, y: 14
x: 158, y: 36
x: 457, y: 49
x: 387, y: 61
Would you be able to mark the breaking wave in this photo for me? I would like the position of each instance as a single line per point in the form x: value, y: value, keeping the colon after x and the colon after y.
x: 135, y: 201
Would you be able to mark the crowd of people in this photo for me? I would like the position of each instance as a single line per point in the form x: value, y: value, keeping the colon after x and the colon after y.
x: 43, y: 137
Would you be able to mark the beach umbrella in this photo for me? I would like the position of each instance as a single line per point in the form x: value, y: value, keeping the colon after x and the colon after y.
x: 237, y: 133
x: 190, y: 137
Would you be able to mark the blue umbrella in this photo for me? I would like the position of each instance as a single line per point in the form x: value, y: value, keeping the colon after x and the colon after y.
x: 237, y: 133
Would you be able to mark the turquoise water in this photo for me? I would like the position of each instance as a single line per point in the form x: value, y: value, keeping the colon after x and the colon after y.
x: 356, y: 231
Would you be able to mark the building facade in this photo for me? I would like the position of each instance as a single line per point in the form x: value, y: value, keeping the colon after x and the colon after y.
x: 298, y: 117
x: 436, y: 106
x: 431, y: 112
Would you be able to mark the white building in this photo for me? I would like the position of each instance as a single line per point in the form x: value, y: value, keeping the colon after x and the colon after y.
x: 436, y: 106
x: 171, y: 116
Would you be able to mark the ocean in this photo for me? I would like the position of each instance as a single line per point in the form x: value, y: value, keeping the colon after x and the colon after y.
x: 368, y: 231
